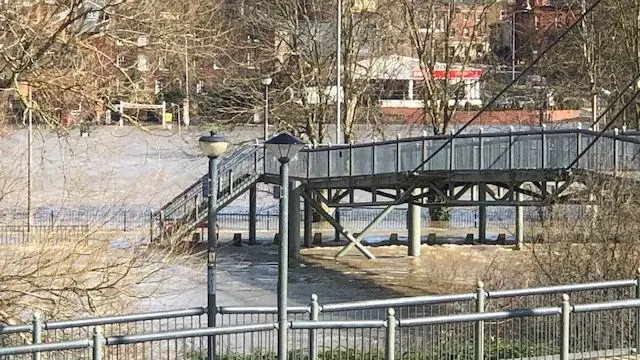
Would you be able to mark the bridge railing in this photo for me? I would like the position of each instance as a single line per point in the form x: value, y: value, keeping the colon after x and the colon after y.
x: 526, y: 150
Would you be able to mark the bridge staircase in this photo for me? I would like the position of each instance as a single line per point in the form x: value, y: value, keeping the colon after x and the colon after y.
x: 237, y: 172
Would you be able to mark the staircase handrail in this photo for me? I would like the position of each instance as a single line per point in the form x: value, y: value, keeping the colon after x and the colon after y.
x: 226, y: 162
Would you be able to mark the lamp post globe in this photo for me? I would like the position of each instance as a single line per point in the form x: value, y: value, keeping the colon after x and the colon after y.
x: 284, y: 146
x: 212, y: 146
x: 266, y: 81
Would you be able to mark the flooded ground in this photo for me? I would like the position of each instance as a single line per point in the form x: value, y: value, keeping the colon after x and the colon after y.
x: 247, y: 275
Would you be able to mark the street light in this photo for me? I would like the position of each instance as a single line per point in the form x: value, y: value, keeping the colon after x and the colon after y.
x: 212, y: 146
x: 266, y: 82
x: 526, y: 9
x: 283, y: 147
x: 186, y: 104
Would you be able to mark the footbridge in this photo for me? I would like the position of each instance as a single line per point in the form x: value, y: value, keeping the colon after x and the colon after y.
x: 517, y: 168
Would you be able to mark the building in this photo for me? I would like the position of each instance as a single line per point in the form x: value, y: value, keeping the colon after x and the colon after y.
x: 535, y: 24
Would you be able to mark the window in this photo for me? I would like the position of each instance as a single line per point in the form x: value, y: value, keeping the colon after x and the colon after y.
x: 143, y: 63
x: 199, y: 87
x: 93, y: 15
x: 120, y: 60
x: 159, y: 86
x: 143, y: 40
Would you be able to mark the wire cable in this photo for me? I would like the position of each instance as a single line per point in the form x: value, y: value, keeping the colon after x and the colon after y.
x: 610, y: 122
x: 515, y: 81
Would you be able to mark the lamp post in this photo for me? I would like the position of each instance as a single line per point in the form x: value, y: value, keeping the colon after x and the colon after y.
x: 186, y: 105
x: 283, y: 147
x: 338, y: 69
x: 266, y: 82
x: 526, y: 9
x: 212, y: 146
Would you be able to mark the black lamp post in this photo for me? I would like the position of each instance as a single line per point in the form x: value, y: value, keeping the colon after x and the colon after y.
x: 283, y: 147
x: 212, y: 146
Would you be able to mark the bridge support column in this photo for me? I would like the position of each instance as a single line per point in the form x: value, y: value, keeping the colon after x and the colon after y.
x: 519, y: 223
x: 336, y: 216
x: 253, y: 197
x: 308, y: 224
x: 414, y: 224
x: 482, y: 213
x: 294, y: 220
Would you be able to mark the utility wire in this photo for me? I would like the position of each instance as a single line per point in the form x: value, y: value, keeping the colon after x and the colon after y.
x: 633, y: 84
x: 514, y: 81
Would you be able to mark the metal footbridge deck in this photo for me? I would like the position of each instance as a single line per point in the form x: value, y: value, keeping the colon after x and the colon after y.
x: 537, y: 167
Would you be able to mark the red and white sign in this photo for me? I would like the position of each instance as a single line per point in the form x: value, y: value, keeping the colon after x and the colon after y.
x: 451, y: 74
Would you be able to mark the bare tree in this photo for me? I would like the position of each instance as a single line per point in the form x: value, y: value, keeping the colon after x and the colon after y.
x: 446, y: 37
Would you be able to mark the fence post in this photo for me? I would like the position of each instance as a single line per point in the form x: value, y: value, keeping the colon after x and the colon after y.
x: 390, y: 346
x: 36, y: 332
x: 480, y: 299
x: 150, y: 225
x: 313, y: 333
x: 162, y: 226
x: 98, y: 343
x: 124, y: 221
x: 638, y: 310
x: 566, y: 323
x: 52, y: 217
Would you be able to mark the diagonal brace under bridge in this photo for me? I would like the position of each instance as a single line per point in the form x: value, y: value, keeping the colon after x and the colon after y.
x: 354, y: 241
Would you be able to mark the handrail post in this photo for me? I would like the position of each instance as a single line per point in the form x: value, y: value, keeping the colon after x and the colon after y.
x: 616, y: 151
x: 390, y: 341
x: 424, y: 149
x: 510, y: 149
x: 452, y: 151
x: 98, y: 343
x: 398, y: 157
x: 36, y: 332
x: 313, y: 333
x: 351, y: 161
x: 480, y: 150
x: 329, y: 160
x: 543, y: 146
x: 480, y: 307
x: 566, y: 327
x: 162, y: 227
x: 373, y: 156
x: 578, y: 143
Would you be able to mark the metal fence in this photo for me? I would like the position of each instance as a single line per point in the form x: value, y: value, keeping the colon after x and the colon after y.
x: 20, y: 234
x: 73, y: 222
x: 105, y: 219
x: 339, y: 327
x: 569, y: 331
x: 498, y: 217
